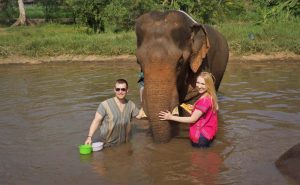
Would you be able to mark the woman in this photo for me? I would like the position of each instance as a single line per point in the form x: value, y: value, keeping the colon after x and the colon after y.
x: 204, y: 119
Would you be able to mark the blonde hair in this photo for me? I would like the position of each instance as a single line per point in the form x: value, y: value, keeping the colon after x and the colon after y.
x: 209, y: 82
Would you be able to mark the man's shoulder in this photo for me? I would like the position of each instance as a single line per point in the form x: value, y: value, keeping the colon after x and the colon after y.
x: 109, y: 100
x: 130, y: 102
x: 106, y: 103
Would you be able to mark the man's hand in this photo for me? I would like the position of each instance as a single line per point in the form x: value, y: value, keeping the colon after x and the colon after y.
x: 88, y: 140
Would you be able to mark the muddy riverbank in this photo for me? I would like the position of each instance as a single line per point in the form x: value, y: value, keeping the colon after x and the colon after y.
x: 98, y: 58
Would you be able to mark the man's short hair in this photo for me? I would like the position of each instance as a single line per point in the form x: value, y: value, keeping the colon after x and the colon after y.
x: 122, y: 81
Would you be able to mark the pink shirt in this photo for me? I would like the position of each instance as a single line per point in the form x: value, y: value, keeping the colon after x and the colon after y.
x: 208, y: 122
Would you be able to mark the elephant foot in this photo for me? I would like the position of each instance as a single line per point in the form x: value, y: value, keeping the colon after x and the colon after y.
x: 289, y: 163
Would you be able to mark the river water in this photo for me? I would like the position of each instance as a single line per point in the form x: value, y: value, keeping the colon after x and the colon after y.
x: 46, y: 110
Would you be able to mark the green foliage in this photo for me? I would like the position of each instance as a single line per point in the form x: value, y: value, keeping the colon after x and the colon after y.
x: 277, y: 10
x: 213, y: 11
x: 216, y: 11
x: 91, y: 13
x: 208, y: 11
x: 35, y: 12
x: 116, y: 15
x: 9, y: 9
x: 50, y: 7
x: 124, y: 13
x: 119, y: 15
x: 43, y: 9
x: 121, y: 18
x: 232, y: 9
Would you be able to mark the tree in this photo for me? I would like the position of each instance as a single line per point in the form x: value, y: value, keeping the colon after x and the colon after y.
x: 22, y: 20
x: 90, y: 13
x: 125, y: 13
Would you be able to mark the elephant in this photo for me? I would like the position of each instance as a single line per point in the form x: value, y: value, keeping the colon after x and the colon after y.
x: 172, y: 49
x: 289, y: 162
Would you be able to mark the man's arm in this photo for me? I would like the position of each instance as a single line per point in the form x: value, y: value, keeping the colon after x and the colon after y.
x: 94, y: 125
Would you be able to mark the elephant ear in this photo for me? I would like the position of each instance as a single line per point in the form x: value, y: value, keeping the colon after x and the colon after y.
x: 199, y: 51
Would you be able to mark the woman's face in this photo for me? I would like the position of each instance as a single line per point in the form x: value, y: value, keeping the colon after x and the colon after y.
x: 200, y: 84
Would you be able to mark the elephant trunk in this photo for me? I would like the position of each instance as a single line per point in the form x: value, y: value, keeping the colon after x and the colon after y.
x: 160, y: 95
x: 161, y: 131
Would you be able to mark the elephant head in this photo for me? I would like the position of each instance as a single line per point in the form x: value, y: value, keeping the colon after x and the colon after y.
x: 172, y: 49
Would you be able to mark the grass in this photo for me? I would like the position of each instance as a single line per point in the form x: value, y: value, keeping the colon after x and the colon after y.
x: 267, y: 38
x: 56, y: 39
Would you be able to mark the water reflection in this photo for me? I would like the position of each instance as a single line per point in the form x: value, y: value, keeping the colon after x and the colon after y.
x: 46, y: 109
x: 157, y: 164
x: 205, y: 166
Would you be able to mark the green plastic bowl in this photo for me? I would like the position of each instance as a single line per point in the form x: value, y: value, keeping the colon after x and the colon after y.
x: 85, y: 149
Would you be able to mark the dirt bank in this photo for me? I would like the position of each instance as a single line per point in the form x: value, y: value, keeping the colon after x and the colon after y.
x: 98, y: 58
x: 280, y: 56
x: 69, y: 58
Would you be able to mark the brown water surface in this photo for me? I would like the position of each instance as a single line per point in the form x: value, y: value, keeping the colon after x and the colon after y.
x: 46, y: 110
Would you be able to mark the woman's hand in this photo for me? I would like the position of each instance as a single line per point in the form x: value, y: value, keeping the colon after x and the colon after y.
x: 165, y: 115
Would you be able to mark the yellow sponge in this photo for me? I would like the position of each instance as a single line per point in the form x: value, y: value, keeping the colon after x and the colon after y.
x: 187, y: 107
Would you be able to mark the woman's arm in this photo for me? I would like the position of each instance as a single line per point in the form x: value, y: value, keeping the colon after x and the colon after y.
x: 168, y: 116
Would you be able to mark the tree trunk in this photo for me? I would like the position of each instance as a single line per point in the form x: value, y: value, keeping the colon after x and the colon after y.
x: 22, y: 20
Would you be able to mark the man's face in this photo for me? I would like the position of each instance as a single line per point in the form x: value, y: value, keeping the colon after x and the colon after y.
x: 121, y: 90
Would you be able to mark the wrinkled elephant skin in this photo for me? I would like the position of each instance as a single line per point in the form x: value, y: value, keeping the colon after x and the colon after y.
x: 289, y: 163
x: 172, y: 50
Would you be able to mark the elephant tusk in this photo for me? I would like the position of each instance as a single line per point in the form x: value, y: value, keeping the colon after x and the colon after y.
x: 142, y: 113
x: 175, y: 111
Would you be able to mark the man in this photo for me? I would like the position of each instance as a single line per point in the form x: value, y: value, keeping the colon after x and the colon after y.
x: 115, y: 115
